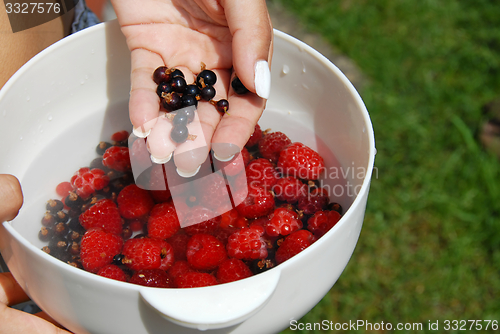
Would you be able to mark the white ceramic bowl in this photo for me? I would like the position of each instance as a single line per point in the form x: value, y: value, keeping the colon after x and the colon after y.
x: 59, y: 105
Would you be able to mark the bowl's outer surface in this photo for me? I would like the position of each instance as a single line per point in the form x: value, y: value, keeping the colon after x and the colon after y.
x: 75, y: 93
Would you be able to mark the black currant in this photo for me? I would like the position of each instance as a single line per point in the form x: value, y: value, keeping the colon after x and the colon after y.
x: 176, y: 73
x: 180, y: 119
x: 206, y: 78
x: 188, y: 112
x: 163, y: 88
x: 207, y: 93
x: 179, y: 133
x: 54, y: 205
x: 189, y: 100
x: 178, y: 84
x: 161, y: 73
x: 102, y: 147
x: 222, y: 106
x: 238, y: 86
x: 192, y: 90
x: 172, y: 101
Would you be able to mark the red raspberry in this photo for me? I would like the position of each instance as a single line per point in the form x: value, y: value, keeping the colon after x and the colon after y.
x: 158, y: 184
x: 272, y: 144
x: 232, y: 270
x: 117, y: 158
x: 261, y: 172
x: 148, y: 253
x: 86, y: 181
x: 134, y: 202
x: 294, y: 244
x: 223, y: 233
x: 201, y: 220
x: 247, y: 244
x: 255, y: 137
x: 316, y: 200
x: 247, y: 157
x: 163, y: 222
x: 63, y: 189
x: 235, y: 165
x: 136, y: 225
x: 119, y: 136
x: 112, y: 271
x: 289, y: 189
x: 155, y: 278
x: 232, y: 218
x: 212, y: 193
x: 103, y: 214
x: 322, y: 221
x: 98, y: 248
x: 179, y: 243
x: 180, y: 268
x: 205, y: 252
x: 301, y: 161
x: 259, y: 202
x: 195, y: 280
x: 283, y: 221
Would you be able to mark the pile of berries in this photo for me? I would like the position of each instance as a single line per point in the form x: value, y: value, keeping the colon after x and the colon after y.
x: 175, y: 93
x: 105, y: 224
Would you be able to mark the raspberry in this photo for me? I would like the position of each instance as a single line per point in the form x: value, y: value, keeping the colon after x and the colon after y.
x: 147, y: 253
x: 283, y: 221
x: 155, y: 278
x: 158, y: 184
x: 119, y: 136
x: 293, y: 244
x: 212, y: 193
x: 86, y: 181
x: 316, y: 200
x: 205, y: 252
x: 255, y: 137
x: 195, y: 280
x: 103, y: 214
x: 112, y: 271
x: 259, y: 202
x: 261, y: 172
x: 179, y: 268
x: 272, y: 144
x: 322, y: 221
x: 163, y: 222
x: 134, y: 202
x: 301, y: 161
x: 235, y: 165
x: 232, y: 218
x: 98, y: 248
x: 63, y: 189
x: 179, y: 243
x: 201, y: 220
x: 117, y: 158
x: 247, y: 244
x: 232, y: 270
x: 289, y: 189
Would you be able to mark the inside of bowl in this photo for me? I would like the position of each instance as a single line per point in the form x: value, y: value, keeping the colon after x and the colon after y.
x: 82, y: 96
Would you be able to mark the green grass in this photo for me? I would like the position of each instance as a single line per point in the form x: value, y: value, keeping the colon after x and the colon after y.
x: 430, y: 245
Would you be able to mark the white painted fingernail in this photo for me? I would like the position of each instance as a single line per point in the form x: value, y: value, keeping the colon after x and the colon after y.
x: 223, y: 159
x: 262, y: 79
x: 188, y: 173
x: 139, y: 133
x: 161, y: 160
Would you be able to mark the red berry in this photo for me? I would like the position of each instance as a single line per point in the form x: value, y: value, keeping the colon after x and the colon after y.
x: 147, y: 253
x: 136, y: 225
x: 316, y: 200
x: 117, y: 158
x: 63, y: 189
x: 247, y: 244
x: 86, y: 181
x: 104, y: 214
x: 293, y: 244
x: 232, y: 270
x: 301, y: 161
x: 119, y: 136
x: 200, y: 220
x: 261, y: 172
x: 134, y: 202
x: 205, y: 252
x: 98, y: 248
x: 235, y: 165
x: 179, y: 268
x: 255, y: 137
x: 272, y: 144
x: 163, y: 222
x: 232, y: 218
x: 289, y: 189
x: 112, y: 271
x: 212, y: 193
x: 179, y: 243
x: 283, y: 221
x: 195, y: 280
x: 259, y: 202
x: 155, y: 278
x: 322, y: 221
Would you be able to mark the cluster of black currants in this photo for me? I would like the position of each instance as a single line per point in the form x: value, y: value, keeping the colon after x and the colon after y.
x: 175, y: 94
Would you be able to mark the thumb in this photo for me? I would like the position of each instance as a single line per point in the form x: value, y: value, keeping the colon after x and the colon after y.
x: 11, y: 197
x: 252, y: 31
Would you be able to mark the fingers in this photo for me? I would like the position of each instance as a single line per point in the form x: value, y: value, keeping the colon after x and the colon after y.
x: 15, y: 321
x: 10, y: 292
x: 11, y: 197
x: 251, y: 27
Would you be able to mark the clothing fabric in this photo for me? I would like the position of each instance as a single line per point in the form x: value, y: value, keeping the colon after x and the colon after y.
x: 84, y: 17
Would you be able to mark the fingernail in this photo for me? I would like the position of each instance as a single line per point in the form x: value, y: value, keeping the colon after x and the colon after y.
x: 262, y: 79
x: 161, y: 160
x: 223, y: 159
x: 188, y: 173
x: 140, y: 133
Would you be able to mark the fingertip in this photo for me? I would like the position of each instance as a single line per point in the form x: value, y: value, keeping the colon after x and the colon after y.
x: 11, y: 197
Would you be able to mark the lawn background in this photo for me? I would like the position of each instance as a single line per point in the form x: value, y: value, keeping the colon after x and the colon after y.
x: 429, y: 248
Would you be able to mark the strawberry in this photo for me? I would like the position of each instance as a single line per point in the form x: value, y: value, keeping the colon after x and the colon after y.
x: 98, y: 248
x: 301, y: 161
x: 104, y: 214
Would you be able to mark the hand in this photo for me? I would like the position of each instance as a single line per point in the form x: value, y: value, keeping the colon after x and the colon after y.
x: 12, y: 320
x: 229, y: 36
